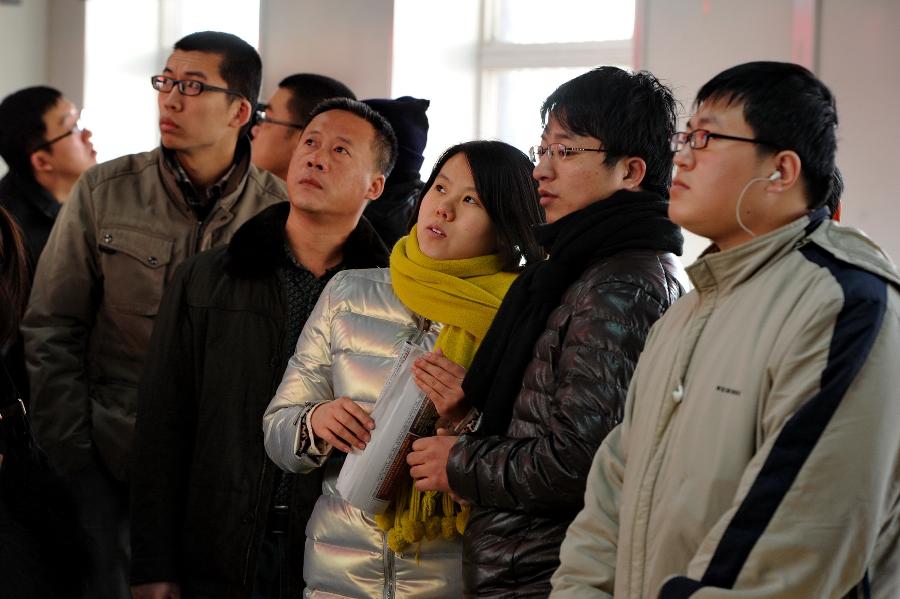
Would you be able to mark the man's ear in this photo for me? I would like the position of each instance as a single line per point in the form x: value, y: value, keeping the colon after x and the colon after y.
x: 376, y: 188
x: 633, y: 171
x: 245, y: 111
x: 786, y: 162
x: 41, y: 162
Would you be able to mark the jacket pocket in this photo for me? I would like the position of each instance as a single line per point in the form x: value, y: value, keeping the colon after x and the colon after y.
x: 134, y: 269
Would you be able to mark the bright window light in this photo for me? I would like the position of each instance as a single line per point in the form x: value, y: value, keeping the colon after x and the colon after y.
x: 519, y: 94
x: 562, y: 21
x: 240, y: 17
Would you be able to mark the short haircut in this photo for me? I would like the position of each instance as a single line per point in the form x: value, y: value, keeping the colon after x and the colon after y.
x: 503, y: 180
x: 786, y: 105
x: 384, y: 143
x: 241, y: 67
x: 22, y: 127
x: 308, y: 89
x: 632, y: 114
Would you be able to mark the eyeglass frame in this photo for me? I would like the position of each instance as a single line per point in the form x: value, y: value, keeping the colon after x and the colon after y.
x: 262, y: 117
x: 537, y: 152
x: 689, y: 137
x: 180, y: 84
x: 76, y: 128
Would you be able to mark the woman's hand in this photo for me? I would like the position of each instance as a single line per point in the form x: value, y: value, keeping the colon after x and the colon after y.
x: 342, y: 423
x: 429, y: 463
x: 441, y: 380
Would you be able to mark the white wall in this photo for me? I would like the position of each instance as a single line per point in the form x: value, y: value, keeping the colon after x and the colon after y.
x: 349, y: 40
x: 859, y: 60
x: 66, y: 48
x: 23, y: 45
x: 23, y: 48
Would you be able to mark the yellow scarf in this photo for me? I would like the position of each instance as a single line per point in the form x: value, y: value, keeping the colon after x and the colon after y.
x: 464, y: 296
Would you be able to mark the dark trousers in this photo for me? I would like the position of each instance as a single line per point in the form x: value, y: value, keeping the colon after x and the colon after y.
x: 102, y: 505
x: 271, y: 580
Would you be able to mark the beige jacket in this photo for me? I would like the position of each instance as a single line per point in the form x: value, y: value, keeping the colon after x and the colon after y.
x: 760, y: 451
x: 113, y: 249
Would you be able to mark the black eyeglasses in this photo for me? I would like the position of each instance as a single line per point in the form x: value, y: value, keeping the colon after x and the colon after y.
x: 187, y: 87
x: 699, y: 138
x: 76, y: 128
x: 558, y: 151
x: 262, y: 117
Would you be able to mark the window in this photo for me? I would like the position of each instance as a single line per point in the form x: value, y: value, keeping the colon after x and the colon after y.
x: 530, y: 47
x: 487, y: 65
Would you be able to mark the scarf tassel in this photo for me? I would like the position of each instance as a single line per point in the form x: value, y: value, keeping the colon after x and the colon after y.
x: 413, y: 516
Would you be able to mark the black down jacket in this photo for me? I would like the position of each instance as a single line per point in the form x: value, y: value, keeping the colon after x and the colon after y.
x: 201, y: 482
x: 528, y: 485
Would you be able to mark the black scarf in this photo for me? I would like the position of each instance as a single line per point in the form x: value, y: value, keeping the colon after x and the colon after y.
x: 625, y: 220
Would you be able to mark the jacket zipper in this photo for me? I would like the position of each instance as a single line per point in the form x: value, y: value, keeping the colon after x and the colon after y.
x: 388, y: 568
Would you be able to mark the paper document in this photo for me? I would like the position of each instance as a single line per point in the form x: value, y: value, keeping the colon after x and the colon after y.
x: 402, y: 414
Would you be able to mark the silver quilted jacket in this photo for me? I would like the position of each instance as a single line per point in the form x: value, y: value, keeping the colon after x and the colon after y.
x: 347, y: 348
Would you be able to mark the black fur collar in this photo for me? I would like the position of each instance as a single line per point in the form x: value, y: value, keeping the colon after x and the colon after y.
x: 257, y: 248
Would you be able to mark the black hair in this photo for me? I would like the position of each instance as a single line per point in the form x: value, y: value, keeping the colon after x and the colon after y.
x: 835, y: 192
x: 241, y: 66
x: 384, y: 144
x: 503, y: 180
x: 632, y: 114
x: 785, y: 104
x: 22, y: 127
x: 308, y: 89
x: 14, y: 277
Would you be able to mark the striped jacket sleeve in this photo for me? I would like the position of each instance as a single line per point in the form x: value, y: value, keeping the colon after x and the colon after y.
x: 813, y: 504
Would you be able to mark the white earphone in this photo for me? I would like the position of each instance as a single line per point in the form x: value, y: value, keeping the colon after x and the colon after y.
x: 775, y: 176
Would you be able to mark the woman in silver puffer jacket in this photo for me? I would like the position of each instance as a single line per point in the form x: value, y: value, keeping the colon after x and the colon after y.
x: 445, y: 282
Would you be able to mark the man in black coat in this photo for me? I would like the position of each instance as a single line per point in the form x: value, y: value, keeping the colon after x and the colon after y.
x: 211, y: 515
x: 46, y: 151
x: 550, y: 378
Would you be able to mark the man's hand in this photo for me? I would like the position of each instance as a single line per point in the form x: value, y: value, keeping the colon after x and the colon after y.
x: 342, y: 423
x: 156, y: 590
x: 429, y: 463
x: 441, y: 380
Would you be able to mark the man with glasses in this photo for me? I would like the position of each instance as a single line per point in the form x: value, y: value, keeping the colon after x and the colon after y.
x: 46, y: 151
x: 759, y: 449
x: 279, y: 123
x: 549, y: 380
x: 116, y: 244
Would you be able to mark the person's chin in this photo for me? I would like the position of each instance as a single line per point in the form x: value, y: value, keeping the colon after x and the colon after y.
x: 431, y: 249
x: 171, y: 141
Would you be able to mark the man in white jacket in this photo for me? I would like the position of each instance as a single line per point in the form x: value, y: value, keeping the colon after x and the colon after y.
x: 758, y: 454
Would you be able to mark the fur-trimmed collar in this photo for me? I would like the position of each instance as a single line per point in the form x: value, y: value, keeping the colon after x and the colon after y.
x: 257, y: 248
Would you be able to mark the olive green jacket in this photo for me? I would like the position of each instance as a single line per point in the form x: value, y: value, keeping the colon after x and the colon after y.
x: 115, y: 246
